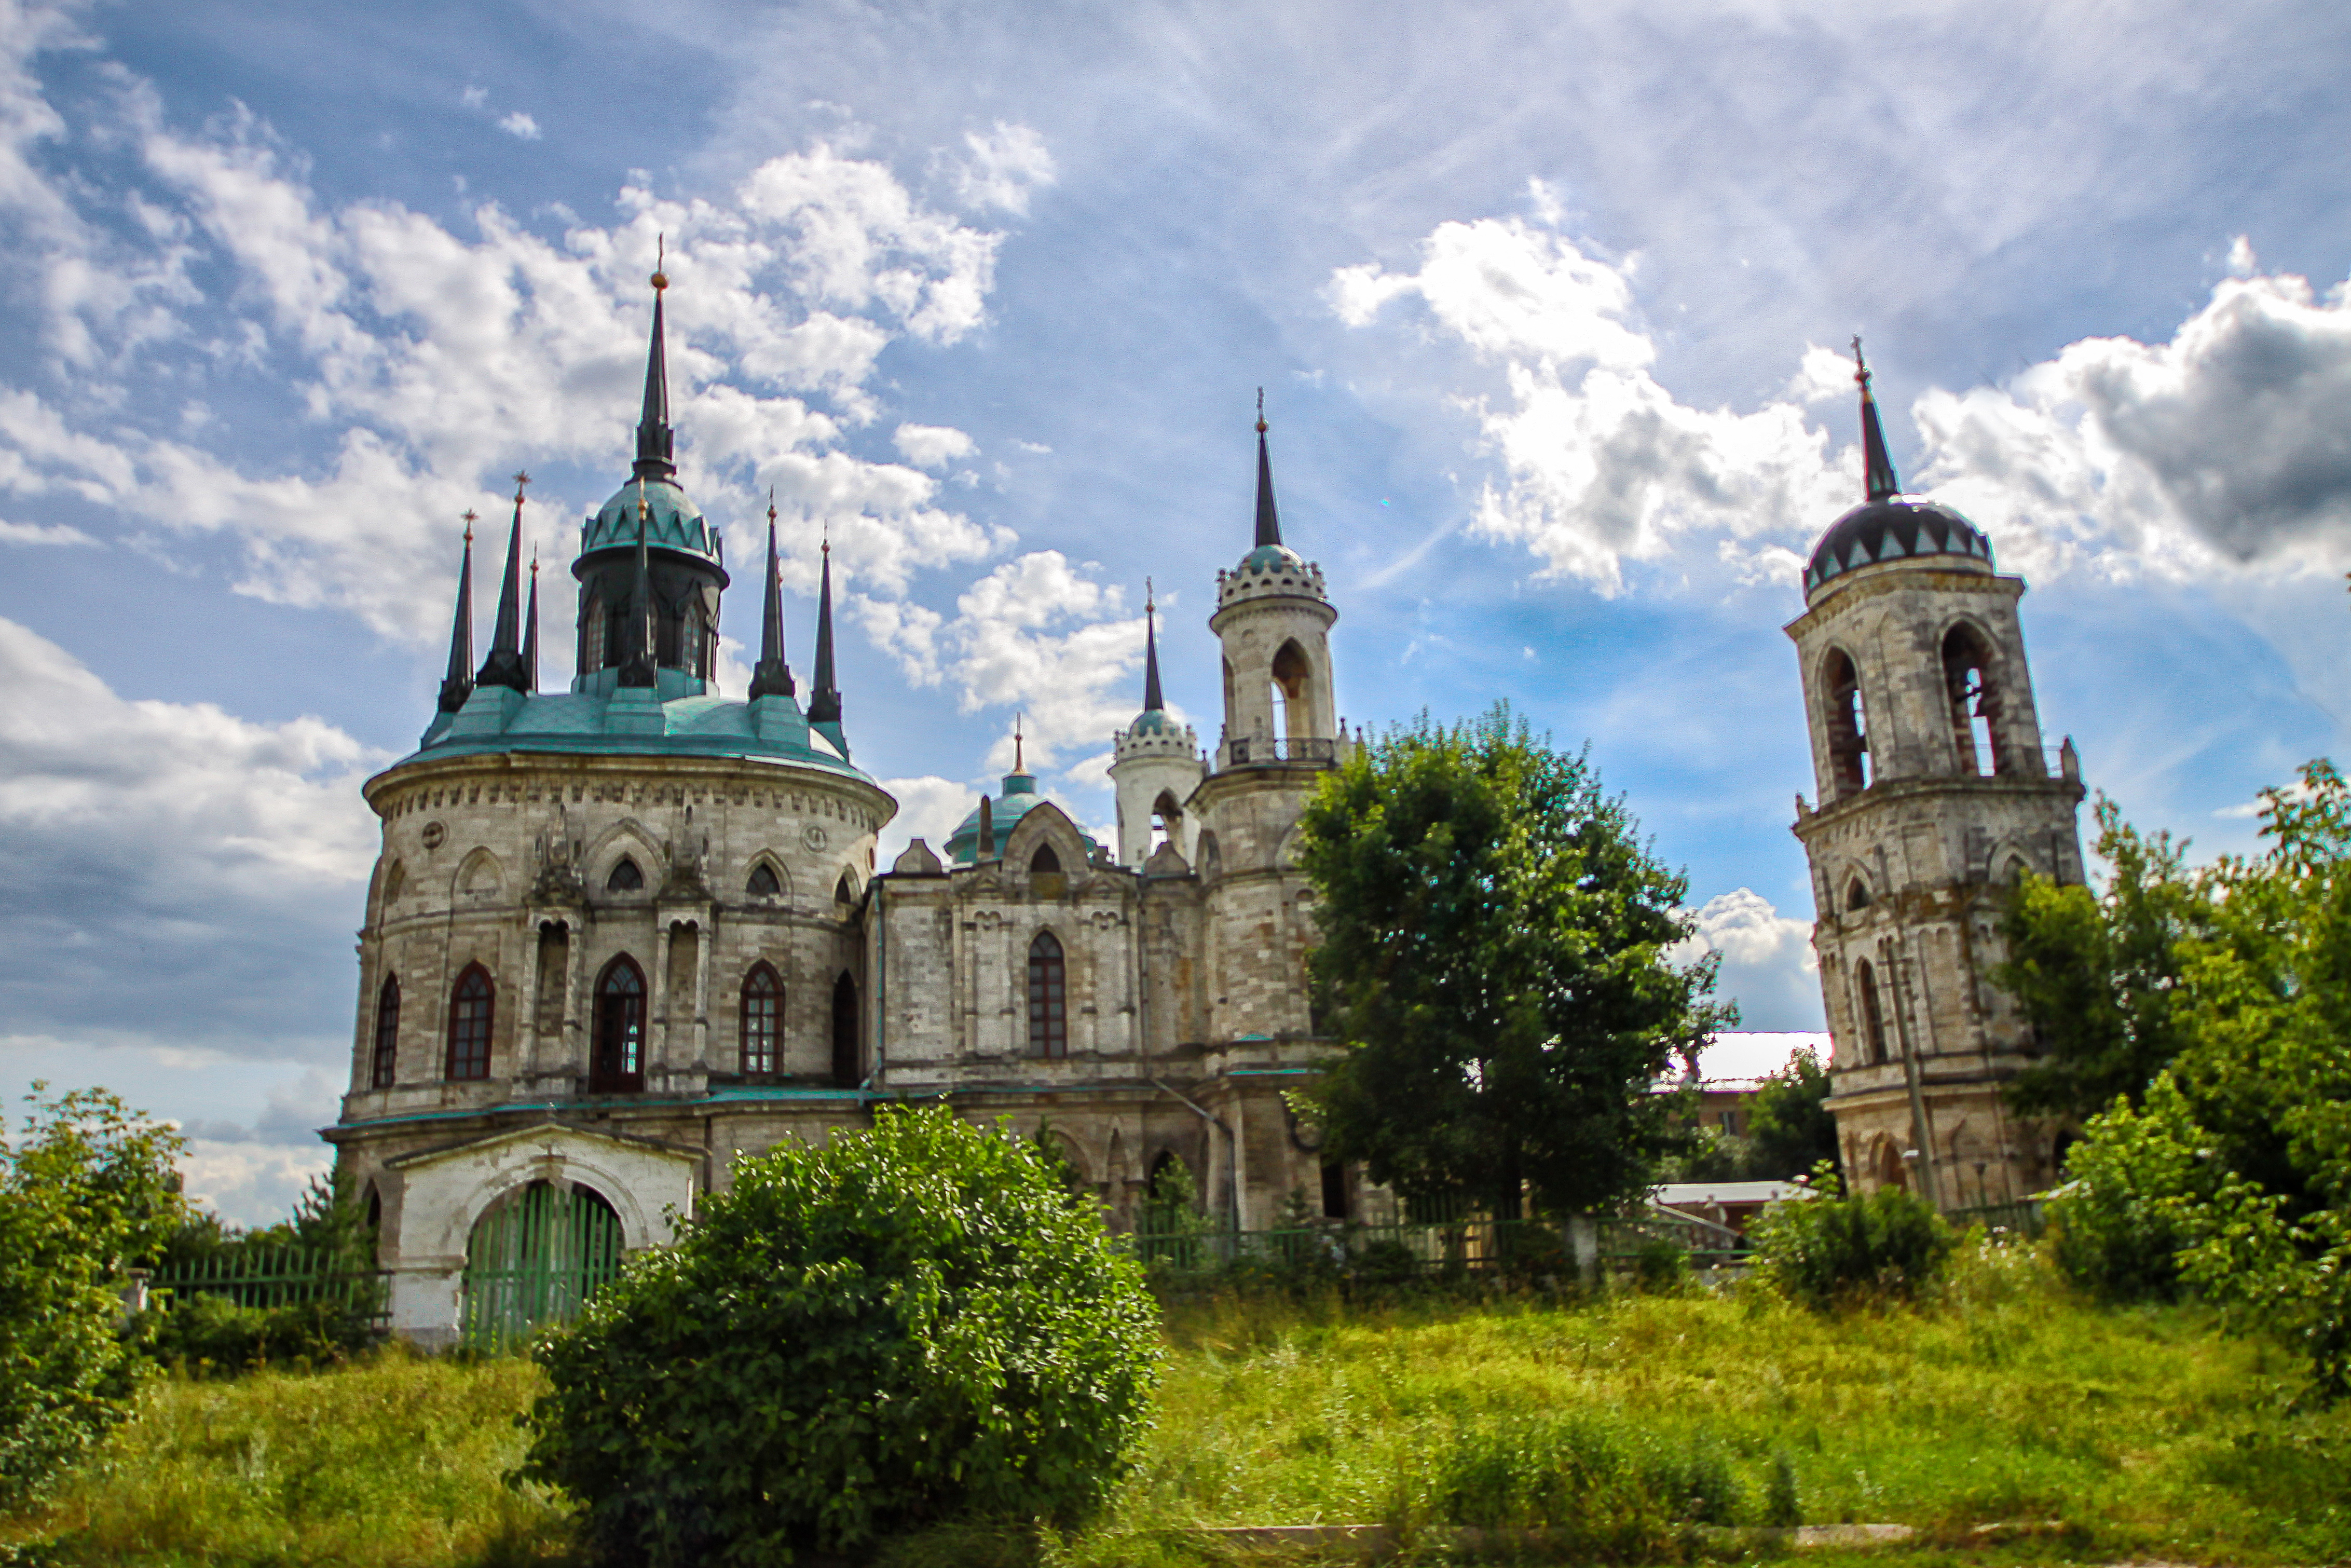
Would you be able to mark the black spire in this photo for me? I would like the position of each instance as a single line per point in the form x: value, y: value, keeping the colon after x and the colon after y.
x: 655, y: 441
x: 639, y: 669
x: 824, y: 700
x: 530, y: 630
x: 503, y: 667
x: 1152, y: 701
x: 771, y: 677
x: 1268, y: 525
x: 458, y: 683
x: 1876, y: 468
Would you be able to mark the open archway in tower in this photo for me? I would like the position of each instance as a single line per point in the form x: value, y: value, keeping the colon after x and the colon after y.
x: 1293, y: 701
x: 1848, y: 724
x: 1872, y: 1011
x: 1969, y: 673
x: 1166, y: 822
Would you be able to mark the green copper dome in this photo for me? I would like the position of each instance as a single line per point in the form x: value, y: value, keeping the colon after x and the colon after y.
x: 1005, y: 812
x: 672, y: 522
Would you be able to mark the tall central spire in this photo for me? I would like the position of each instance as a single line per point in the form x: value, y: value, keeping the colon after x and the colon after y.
x: 1268, y: 524
x: 1152, y: 701
x: 655, y: 441
x: 771, y: 676
x: 1876, y: 468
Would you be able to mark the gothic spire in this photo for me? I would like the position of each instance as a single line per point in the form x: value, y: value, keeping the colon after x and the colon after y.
x: 1152, y: 701
x: 503, y: 667
x: 824, y: 700
x: 530, y: 629
x: 639, y: 669
x: 656, y: 442
x: 458, y: 683
x: 771, y: 676
x: 1878, y: 477
x: 1268, y: 525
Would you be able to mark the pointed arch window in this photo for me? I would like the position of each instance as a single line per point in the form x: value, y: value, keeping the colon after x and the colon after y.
x: 763, y: 1020
x: 1847, y: 721
x: 1873, y: 1012
x: 1045, y: 878
x: 1048, y: 1014
x: 845, y: 1054
x: 1293, y: 711
x: 385, y: 1067
x: 616, y: 1065
x: 472, y: 1008
x: 1857, y: 897
x: 764, y: 883
x: 625, y: 877
x: 843, y: 894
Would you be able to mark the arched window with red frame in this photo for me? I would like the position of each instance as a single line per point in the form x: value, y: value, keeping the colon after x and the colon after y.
x: 385, y: 1067
x: 763, y: 1020
x: 1049, y: 994
x: 472, y: 1008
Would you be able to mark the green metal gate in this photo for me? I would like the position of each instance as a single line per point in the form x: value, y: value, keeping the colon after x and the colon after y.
x: 535, y: 1259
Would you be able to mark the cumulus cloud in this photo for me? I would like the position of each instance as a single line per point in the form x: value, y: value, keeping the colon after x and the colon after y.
x: 177, y: 873
x: 2216, y: 451
x: 448, y: 356
x: 1040, y: 634
x: 519, y: 125
x: 42, y: 534
x: 1001, y: 166
x: 932, y: 445
x: 1768, y: 967
x: 929, y: 807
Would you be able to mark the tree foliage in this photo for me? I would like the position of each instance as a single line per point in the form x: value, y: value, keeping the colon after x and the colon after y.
x: 86, y: 1187
x: 1495, y: 957
x: 1841, y: 1247
x: 2237, y: 1162
x: 903, y: 1325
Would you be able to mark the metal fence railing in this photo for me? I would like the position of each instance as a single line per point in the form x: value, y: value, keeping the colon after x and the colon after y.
x: 277, y: 1277
x: 2024, y: 1217
x: 1454, y: 1245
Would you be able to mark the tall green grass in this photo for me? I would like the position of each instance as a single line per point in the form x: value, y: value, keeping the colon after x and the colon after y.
x: 396, y: 1460
x: 1610, y: 1426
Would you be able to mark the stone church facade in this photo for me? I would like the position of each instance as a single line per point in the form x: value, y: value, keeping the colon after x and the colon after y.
x: 621, y: 932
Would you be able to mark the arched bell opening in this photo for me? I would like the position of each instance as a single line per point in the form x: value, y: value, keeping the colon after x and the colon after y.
x: 1969, y: 675
x: 1847, y: 720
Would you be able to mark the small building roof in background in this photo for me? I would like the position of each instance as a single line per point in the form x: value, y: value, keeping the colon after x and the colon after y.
x: 1704, y: 1194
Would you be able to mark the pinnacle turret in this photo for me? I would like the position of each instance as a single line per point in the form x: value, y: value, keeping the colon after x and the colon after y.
x: 505, y: 666
x: 1879, y: 478
x: 655, y: 441
x: 1269, y: 522
x: 824, y: 699
x: 458, y: 683
x: 771, y: 676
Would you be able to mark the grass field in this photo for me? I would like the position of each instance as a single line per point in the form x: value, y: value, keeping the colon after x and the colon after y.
x: 2107, y: 1435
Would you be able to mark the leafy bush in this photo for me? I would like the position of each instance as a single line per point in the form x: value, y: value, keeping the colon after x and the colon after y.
x: 86, y: 1187
x: 212, y: 1335
x: 909, y: 1324
x: 2118, y: 1225
x: 1838, y: 1246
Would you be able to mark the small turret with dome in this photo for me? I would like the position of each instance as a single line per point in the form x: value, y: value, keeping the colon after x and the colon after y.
x: 1000, y: 814
x: 1889, y: 526
x: 1155, y: 762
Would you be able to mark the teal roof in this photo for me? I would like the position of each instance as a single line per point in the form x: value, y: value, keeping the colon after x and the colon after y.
x: 1151, y: 721
x: 634, y: 723
x: 1005, y: 812
x: 672, y: 522
x: 1271, y: 558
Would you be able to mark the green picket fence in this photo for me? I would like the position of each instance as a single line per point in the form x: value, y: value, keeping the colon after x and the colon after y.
x: 2024, y: 1218
x: 268, y: 1276
x: 1467, y: 1244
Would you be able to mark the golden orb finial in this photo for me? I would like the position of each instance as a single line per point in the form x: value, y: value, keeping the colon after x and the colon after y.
x: 660, y: 257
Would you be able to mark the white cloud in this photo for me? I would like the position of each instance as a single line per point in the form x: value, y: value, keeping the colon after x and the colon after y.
x: 43, y: 534
x: 1769, y: 966
x: 928, y: 809
x: 932, y: 445
x: 2216, y: 451
x: 176, y: 874
x: 1001, y: 166
x: 519, y: 125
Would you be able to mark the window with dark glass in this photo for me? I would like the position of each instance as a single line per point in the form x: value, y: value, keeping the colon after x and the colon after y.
x: 471, y: 1010
x: 625, y: 877
x: 386, y: 1065
x: 763, y: 1017
x: 845, y: 1054
x: 764, y: 882
x: 617, y: 1063
x: 1049, y: 1020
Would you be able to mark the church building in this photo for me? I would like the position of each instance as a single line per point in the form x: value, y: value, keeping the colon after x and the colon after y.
x: 622, y: 932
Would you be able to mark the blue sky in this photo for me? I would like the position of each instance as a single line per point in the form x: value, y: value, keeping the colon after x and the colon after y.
x: 1546, y: 301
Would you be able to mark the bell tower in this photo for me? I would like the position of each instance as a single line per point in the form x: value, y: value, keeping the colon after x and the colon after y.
x: 1934, y: 794
x: 1274, y: 623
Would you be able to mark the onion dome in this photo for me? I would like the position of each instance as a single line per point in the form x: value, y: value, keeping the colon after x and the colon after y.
x: 1000, y: 815
x: 1890, y: 526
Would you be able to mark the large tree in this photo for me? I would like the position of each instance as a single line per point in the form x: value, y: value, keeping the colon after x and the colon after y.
x: 1496, y: 960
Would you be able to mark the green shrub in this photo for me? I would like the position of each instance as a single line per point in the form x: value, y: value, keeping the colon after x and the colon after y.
x: 1840, y: 1246
x: 212, y: 1335
x: 907, y: 1326
x: 87, y: 1189
x: 2117, y: 1228
x: 1596, y: 1485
